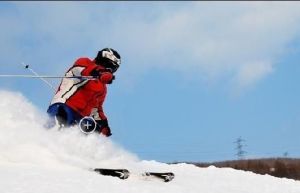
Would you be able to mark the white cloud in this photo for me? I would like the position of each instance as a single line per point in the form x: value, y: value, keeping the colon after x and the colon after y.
x: 228, y: 40
x: 252, y: 72
x: 215, y: 40
x: 211, y: 40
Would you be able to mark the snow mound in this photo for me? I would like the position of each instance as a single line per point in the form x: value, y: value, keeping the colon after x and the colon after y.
x: 36, y: 160
x: 24, y: 139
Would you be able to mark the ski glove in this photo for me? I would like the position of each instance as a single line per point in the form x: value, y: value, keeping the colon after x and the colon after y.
x: 103, y: 128
x: 105, y: 76
x: 106, y: 131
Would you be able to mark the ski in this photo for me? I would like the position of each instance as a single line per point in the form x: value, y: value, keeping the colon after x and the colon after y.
x: 120, y: 173
x: 124, y: 174
x: 166, y: 177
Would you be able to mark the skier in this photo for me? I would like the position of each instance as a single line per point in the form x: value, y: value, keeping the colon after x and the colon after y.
x: 77, y: 97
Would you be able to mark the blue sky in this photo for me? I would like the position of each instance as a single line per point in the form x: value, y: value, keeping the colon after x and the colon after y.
x: 195, y: 76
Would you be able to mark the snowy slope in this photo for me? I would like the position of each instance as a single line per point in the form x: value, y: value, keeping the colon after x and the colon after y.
x: 35, y: 160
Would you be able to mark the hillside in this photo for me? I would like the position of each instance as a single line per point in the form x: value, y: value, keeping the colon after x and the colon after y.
x: 35, y: 160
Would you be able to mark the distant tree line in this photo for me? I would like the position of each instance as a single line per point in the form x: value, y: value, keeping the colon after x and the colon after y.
x: 278, y: 167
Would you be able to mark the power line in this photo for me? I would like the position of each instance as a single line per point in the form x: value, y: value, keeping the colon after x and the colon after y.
x: 239, y: 147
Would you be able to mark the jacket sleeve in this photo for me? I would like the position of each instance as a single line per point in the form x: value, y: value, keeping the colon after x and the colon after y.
x: 88, y: 65
x: 91, y: 69
x: 101, y: 113
x: 98, y: 113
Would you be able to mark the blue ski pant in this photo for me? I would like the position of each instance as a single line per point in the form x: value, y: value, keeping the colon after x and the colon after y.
x: 64, y: 115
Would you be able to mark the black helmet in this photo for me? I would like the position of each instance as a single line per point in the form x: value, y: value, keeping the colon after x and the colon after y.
x: 109, y: 58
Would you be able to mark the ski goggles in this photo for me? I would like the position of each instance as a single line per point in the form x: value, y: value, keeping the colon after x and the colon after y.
x: 114, y: 63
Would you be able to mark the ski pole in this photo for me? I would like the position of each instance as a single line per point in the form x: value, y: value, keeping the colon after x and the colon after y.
x: 26, y: 66
x: 43, y: 76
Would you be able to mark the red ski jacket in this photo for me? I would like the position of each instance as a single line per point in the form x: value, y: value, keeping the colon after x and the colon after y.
x: 84, y: 96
